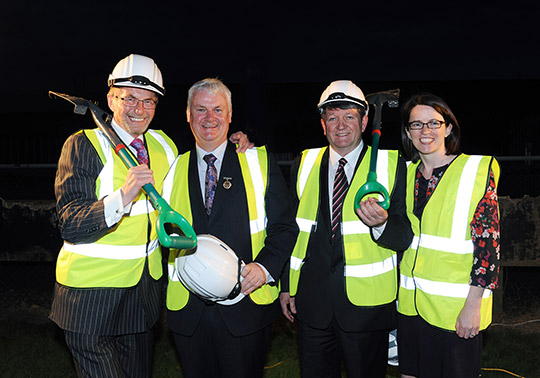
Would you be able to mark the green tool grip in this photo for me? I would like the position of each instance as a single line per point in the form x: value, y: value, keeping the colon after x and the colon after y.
x: 372, y: 186
x: 165, y: 213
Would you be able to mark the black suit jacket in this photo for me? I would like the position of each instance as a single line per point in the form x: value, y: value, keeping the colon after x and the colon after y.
x: 229, y: 221
x: 321, y: 291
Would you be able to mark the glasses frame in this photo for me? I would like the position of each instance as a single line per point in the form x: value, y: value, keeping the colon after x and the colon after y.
x: 152, y: 103
x: 426, y: 124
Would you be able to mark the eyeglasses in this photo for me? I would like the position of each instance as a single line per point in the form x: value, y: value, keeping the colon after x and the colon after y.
x: 132, y: 102
x: 431, y: 124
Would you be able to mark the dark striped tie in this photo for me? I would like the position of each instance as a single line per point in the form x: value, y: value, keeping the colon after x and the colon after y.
x: 340, y: 190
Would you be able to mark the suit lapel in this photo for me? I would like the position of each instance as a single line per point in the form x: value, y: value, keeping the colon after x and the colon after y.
x: 230, y: 171
x: 324, y: 195
x: 200, y: 221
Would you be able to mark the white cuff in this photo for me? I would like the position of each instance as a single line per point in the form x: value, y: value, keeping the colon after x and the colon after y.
x: 269, y: 278
x: 114, y: 208
x: 377, y: 231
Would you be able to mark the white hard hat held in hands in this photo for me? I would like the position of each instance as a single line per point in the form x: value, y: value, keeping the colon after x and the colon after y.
x: 211, y: 271
x: 342, y: 91
x: 137, y: 71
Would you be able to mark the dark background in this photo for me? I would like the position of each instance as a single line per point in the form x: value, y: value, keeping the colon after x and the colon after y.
x: 483, y: 58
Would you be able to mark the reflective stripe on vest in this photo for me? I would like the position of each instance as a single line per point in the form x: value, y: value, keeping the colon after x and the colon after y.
x: 117, y: 258
x: 254, y: 166
x: 363, y: 271
x: 435, y: 271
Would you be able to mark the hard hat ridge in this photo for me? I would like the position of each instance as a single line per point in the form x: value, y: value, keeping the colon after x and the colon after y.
x: 342, y: 91
x: 137, y: 71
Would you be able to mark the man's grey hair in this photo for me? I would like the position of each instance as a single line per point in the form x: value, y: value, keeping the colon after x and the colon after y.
x: 211, y: 85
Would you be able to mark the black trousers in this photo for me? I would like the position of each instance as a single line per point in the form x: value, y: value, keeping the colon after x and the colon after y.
x: 365, y: 354
x: 111, y: 356
x: 213, y: 352
x: 429, y: 352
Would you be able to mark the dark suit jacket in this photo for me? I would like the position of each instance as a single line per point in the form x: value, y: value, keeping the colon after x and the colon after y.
x: 229, y: 221
x: 103, y: 311
x: 321, y: 291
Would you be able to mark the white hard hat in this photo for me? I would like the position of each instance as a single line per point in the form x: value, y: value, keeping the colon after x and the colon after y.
x: 343, y: 91
x: 139, y: 72
x: 211, y: 271
x: 393, y: 357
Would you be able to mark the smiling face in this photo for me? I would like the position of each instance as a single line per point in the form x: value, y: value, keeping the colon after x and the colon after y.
x: 209, y: 117
x: 133, y: 119
x: 428, y: 142
x: 343, y: 128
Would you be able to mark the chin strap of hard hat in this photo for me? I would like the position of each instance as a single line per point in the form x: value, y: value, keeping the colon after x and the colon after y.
x: 238, y: 287
x: 136, y: 79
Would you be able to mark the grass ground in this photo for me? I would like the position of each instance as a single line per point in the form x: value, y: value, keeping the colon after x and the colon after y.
x: 33, y: 347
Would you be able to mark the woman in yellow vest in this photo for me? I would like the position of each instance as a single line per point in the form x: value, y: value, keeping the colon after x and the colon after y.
x: 449, y: 271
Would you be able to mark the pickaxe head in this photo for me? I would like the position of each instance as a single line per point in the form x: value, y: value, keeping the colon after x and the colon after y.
x: 391, y: 96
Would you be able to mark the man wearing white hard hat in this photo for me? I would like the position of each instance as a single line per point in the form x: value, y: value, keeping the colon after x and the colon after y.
x: 107, y: 297
x: 242, y: 199
x: 342, y: 282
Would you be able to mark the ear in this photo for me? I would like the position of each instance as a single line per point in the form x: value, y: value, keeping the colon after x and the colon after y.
x: 364, y: 122
x: 188, y: 115
x: 408, y: 133
x: 448, y: 130
x: 110, y: 102
x: 323, y: 126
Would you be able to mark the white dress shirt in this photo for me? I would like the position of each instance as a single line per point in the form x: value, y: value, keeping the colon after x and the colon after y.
x: 352, y: 159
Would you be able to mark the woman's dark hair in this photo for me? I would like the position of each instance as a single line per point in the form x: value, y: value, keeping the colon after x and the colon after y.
x: 451, y: 142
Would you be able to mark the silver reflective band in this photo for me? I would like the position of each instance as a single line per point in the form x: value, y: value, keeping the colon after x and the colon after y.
x: 442, y: 244
x: 445, y: 289
x: 307, y: 166
x: 296, y: 263
x: 257, y: 179
x: 112, y: 252
x: 305, y: 225
x: 371, y: 270
x: 354, y: 227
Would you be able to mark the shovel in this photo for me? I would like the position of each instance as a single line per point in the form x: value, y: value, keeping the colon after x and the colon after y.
x: 165, y: 213
x: 372, y: 186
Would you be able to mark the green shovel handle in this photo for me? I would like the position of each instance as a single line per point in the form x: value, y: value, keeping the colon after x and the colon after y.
x: 372, y: 186
x: 168, y: 215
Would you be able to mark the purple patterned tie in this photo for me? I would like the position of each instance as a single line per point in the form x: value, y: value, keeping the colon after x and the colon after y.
x: 142, y: 156
x: 211, y: 182
x: 341, y: 185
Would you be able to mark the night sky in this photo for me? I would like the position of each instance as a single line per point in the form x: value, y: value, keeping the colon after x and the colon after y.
x: 484, y: 60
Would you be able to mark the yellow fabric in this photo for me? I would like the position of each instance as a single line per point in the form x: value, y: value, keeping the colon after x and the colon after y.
x: 434, y: 274
x: 82, y: 270
x: 373, y: 287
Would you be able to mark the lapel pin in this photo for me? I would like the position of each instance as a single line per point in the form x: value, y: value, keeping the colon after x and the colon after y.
x: 227, y: 184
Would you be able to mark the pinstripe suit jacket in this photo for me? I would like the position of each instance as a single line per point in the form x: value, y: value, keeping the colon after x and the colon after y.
x: 229, y: 221
x: 103, y: 311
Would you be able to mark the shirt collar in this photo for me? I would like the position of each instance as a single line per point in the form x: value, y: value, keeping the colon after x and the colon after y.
x: 219, y: 152
x: 123, y: 134
x: 351, y: 157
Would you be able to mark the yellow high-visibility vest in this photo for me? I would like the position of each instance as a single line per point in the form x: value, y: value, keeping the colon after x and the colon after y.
x: 370, y: 270
x: 117, y: 258
x: 436, y: 268
x: 254, y: 167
